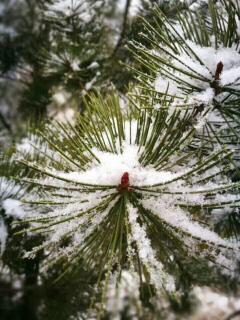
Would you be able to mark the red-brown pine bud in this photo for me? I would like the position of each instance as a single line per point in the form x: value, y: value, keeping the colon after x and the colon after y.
x: 219, y: 70
x: 124, y: 185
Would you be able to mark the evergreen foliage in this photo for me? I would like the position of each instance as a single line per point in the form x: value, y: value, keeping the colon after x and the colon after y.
x: 122, y: 196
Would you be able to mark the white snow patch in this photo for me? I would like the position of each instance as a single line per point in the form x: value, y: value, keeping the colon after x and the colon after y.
x: 60, y: 98
x: 3, y: 236
x: 122, y: 294
x: 84, y: 9
x: 13, y: 208
x: 214, y: 305
x: 147, y: 255
x: 93, y: 65
x: 113, y: 166
x: 164, y: 85
x: 135, y: 6
x: 182, y: 220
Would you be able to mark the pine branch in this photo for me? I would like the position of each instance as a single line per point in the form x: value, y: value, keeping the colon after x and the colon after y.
x: 107, y: 197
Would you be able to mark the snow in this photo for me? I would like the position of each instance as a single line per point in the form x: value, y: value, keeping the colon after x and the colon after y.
x: 13, y: 208
x: 24, y: 146
x: 75, y: 65
x: 205, y: 96
x: 84, y: 197
x: 60, y: 98
x: 93, y: 65
x: 134, y: 7
x: 2, y: 8
x: 214, y: 305
x: 84, y: 9
x: 210, y: 57
x: 7, y: 30
x: 66, y: 115
x: 230, y: 76
x: 77, y: 215
x: 164, y: 85
x: 28, y: 146
x: 195, y: 5
x: 8, y: 188
x: 123, y: 294
x: 112, y: 167
x: 238, y: 26
x: 89, y: 84
x: 64, y: 6
x: 3, y: 236
x: 159, y: 277
x: 182, y: 220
